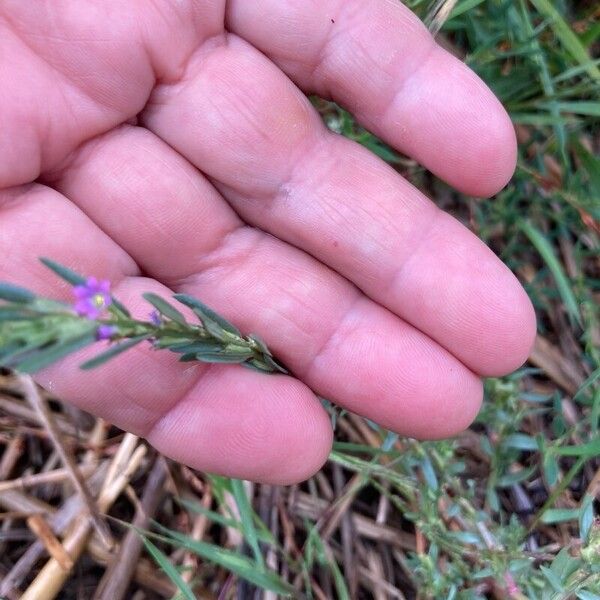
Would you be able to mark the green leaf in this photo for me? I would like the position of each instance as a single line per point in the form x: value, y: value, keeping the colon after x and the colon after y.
x: 325, y: 558
x: 215, y: 357
x: 164, y: 308
x: 552, y: 578
x: 520, y: 441
x: 590, y: 109
x: 260, y: 343
x: 165, y: 564
x: 42, y: 358
x: 213, y: 322
x: 543, y: 246
x: 257, y: 365
x: 567, y: 37
x: 8, y: 351
x: 464, y: 7
x: 247, y: 519
x: 14, y: 293
x: 589, y: 382
x: 589, y: 450
x: 13, y: 315
x: 560, y: 515
x: 116, y: 307
x: 274, y: 365
x: 586, y: 517
x: 591, y: 164
x: 64, y: 272
x: 194, y: 347
x: 564, y: 565
x: 264, y: 535
x: 516, y: 477
x: 232, y: 561
x: 587, y: 595
x: 550, y: 467
x: 113, y: 351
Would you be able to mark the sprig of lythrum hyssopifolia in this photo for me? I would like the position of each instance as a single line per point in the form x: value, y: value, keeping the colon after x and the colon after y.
x: 36, y: 331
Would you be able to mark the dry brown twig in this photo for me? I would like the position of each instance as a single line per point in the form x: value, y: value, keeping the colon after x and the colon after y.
x: 116, y: 579
x: 52, y: 577
x: 46, y: 417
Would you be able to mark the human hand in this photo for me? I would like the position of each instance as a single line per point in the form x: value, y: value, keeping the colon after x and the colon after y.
x: 171, y: 155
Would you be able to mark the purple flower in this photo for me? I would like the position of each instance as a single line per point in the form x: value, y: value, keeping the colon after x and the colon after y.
x: 105, y: 332
x: 155, y: 318
x: 92, y: 298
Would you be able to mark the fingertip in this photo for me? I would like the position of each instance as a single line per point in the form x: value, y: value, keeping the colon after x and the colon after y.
x: 513, y: 334
x: 450, y: 402
x: 301, y: 445
x: 242, y: 424
x: 456, y: 127
x: 495, y: 145
x: 458, y: 412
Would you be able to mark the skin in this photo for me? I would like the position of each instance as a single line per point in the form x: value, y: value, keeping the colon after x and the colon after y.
x: 169, y: 146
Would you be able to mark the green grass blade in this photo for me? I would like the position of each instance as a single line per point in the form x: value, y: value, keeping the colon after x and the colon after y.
x: 591, y: 164
x: 588, y: 383
x: 170, y: 571
x: 463, y: 7
x: 567, y: 37
x: 247, y: 519
x: 543, y: 246
x: 589, y: 450
x: 325, y: 557
x: 234, y: 562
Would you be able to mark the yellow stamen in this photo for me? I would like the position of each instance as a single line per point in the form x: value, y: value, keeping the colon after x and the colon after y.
x: 98, y: 300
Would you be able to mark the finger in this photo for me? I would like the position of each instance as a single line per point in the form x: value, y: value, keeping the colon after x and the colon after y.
x: 237, y: 118
x: 378, y: 60
x: 70, y: 71
x: 219, y: 419
x: 340, y: 343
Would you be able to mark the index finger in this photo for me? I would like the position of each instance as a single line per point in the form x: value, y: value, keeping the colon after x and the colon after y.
x: 376, y: 58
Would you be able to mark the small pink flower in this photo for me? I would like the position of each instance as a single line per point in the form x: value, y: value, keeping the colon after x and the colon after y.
x: 92, y: 298
x: 105, y: 332
x: 155, y: 318
x: 511, y: 585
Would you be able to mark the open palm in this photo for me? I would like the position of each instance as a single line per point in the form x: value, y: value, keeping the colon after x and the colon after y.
x: 172, y: 149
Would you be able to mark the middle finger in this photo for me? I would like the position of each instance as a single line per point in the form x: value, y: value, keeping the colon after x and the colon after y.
x: 342, y: 344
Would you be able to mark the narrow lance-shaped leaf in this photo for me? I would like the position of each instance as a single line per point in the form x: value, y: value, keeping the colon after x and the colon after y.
x: 562, y: 283
x: 43, y: 358
x: 209, y: 317
x: 212, y: 357
x: 164, y: 308
x: 114, y: 351
x: 567, y: 37
x: 236, y: 563
x: 13, y: 314
x: 198, y: 346
x: 16, y: 294
x: 165, y: 564
x: 117, y: 307
x: 247, y: 518
x: 63, y: 272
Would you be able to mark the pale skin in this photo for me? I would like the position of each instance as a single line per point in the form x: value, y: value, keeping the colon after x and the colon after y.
x: 173, y: 149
